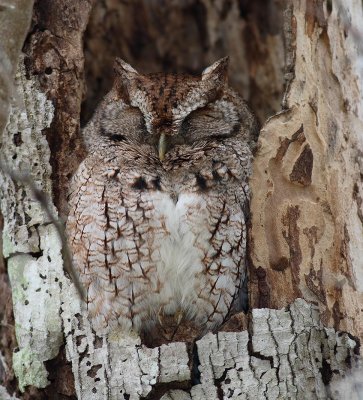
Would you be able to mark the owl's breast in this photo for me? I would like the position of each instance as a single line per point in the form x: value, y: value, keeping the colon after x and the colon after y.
x: 199, y: 257
x: 179, y: 254
x: 185, y: 221
x: 146, y: 241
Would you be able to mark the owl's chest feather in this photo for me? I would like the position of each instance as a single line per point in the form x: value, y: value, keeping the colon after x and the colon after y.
x: 185, y: 221
x: 182, y: 250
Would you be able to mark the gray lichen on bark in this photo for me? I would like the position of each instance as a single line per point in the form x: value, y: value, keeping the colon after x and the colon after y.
x: 30, y: 243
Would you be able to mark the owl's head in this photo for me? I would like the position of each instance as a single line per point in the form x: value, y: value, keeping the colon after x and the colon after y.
x: 166, y: 110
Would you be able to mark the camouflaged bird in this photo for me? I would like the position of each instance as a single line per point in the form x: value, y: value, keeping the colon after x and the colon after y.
x: 159, y: 206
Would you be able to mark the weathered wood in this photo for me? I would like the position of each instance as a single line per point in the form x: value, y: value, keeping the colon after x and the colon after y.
x: 45, y: 145
x: 30, y: 245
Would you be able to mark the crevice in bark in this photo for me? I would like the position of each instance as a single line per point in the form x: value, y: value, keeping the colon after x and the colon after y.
x: 195, y: 378
x: 61, y: 377
x: 161, y: 388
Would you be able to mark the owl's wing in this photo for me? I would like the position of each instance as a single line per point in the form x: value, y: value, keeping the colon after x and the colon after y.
x: 224, y: 257
x: 111, y: 237
x: 227, y: 198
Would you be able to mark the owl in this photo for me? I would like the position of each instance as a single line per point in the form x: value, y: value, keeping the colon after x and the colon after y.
x: 157, y: 225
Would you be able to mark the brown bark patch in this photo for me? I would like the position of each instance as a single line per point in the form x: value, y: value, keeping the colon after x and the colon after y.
x: 312, y: 235
x: 291, y: 236
x: 61, y: 377
x: 337, y: 314
x: 313, y: 281
x: 298, y: 137
x: 92, y: 372
x: 280, y: 265
x: 263, y: 288
x: 303, y: 168
x: 359, y: 201
x: 314, y: 15
x: 237, y: 323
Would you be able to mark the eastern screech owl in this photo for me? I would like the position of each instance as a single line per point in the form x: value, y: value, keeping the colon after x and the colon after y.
x: 158, y: 207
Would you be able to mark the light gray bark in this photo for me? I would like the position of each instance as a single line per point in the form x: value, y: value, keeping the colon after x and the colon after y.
x: 287, y: 353
x: 30, y: 243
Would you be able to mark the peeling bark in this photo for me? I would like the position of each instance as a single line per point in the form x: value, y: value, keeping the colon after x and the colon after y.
x: 30, y: 244
x: 286, y: 352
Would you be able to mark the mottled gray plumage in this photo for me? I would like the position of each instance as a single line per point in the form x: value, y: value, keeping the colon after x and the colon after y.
x: 159, y: 205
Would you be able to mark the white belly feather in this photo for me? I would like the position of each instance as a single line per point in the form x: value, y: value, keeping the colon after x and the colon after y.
x: 186, y: 223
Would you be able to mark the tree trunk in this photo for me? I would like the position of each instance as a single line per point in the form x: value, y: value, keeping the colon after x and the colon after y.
x: 307, y: 232
x: 301, y: 338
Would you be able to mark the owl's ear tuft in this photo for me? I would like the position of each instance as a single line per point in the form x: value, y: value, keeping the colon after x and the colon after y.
x: 126, y: 78
x: 124, y: 70
x: 217, y: 72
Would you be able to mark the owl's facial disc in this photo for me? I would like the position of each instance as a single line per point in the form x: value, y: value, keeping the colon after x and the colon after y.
x: 166, y: 100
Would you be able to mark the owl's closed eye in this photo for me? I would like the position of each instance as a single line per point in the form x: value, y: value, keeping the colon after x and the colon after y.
x: 214, y: 121
x: 120, y: 122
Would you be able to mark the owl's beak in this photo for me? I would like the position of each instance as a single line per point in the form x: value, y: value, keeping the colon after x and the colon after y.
x: 162, y: 146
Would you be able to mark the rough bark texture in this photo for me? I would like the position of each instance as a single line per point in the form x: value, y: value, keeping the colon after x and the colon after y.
x: 30, y: 245
x: 287, y: 352
x: 42, y: 138
x: 306, y: 211
x: 7, y: 329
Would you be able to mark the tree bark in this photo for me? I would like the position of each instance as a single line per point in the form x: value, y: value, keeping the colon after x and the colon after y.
x: 15, y: 18
x: 307, y: 232
x: 301, y: 338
